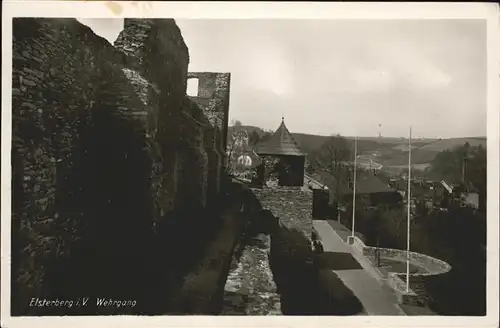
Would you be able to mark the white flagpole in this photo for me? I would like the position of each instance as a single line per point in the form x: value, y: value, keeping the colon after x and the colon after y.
x: 408, y: 218
x: 354, y: 185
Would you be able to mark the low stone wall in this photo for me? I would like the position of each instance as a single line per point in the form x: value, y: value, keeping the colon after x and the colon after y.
x: 417, y: 294
x: 293, y: 206
x: 250, y: 288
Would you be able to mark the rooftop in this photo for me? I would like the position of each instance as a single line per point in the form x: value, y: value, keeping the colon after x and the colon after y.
x: 280, y: 143
x: 365, y: 184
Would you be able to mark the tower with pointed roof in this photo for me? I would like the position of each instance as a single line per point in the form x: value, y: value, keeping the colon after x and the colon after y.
x: 290, y: 159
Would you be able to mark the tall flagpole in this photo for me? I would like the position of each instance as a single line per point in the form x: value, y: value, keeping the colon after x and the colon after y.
x: 354, y: 185
x: 408, y: 218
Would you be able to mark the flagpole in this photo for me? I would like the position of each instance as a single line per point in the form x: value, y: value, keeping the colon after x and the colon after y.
x: 354, y: 185
x: 408, y: 218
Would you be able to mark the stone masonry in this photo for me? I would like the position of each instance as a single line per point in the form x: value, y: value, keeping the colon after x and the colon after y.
x: 213, y: 98
x: 293, y: 206
x: 105, y: 145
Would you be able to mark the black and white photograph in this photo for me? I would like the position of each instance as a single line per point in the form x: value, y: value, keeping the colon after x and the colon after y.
x: 159, y: 165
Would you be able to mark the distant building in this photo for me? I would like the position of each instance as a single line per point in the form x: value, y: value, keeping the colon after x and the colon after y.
x: 368, y: 188
x: 312, y: 183
x: 242, y: 157
x: 321, y: 197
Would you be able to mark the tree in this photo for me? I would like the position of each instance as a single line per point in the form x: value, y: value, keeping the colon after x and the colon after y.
x: 266, y: 135
x: 254, y: 138
x: 332, y: 157
x: 476, y: 173
x: 237, y: 123
x: 449, y: 165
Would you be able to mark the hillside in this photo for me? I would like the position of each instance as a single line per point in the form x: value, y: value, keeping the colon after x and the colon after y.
x: 248, y: 128
x: 427, y: 152
x: 390, y: 151
x: 444, y: 144
x: 309, y: 142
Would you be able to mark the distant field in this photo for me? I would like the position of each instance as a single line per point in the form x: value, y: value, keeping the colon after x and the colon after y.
x: 404, y: 147
x: 309, y: 142
x: 420, y: 167
x: 444, y: 144
x: 418, y: 156
x: 426, y: 153
x: 392, y: 152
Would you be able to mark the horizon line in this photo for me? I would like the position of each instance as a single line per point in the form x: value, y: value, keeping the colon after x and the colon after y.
x: 365, y: 136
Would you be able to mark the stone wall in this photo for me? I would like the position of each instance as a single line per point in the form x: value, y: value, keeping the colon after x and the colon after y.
x: 418, y: 293
x: 293, y: 206
x: 106, y: 145
x: 250, y: 288
x: 213, y: 99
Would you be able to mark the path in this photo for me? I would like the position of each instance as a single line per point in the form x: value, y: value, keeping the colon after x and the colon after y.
x: 377, y: 298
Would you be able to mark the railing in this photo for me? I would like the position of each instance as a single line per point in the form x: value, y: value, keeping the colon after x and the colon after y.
x: 417, y: 295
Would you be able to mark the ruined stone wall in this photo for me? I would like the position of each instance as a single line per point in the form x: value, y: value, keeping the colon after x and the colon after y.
x: 213, y: 99
x: 293, y: 206
x: 105, y: 145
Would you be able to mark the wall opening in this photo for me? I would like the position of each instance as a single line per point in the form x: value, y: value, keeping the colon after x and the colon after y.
x: 104, y: 27
x: 192, y: 87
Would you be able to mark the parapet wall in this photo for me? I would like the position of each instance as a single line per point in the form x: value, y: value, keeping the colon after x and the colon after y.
x: 293, y: 206
x: 418, y: 293
x: 106, y: 145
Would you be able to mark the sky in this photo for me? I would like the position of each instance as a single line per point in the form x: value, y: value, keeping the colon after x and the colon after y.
x: 348, y: 77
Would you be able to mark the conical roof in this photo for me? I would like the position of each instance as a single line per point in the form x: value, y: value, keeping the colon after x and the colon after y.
x: 280, y: 143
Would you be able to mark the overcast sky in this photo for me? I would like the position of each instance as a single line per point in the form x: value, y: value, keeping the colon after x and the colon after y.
x: 345, y: 76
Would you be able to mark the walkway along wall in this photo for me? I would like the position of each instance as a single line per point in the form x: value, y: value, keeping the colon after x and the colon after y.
x: 106, y: 146
x: 418, y: 294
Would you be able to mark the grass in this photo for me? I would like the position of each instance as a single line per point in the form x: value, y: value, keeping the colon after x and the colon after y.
x: 389, y: 265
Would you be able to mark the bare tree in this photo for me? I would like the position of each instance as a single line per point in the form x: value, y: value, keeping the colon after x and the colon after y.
x: 333, y: 157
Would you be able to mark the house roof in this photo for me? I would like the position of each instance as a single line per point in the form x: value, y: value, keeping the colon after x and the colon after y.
x: 365, y: 184
x: 280, y: 143
x: 447, y: 186
x: 314, y: 183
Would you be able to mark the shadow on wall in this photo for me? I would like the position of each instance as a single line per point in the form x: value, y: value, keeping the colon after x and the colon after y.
x: 201, y: 291
x: 305, y: 282
x: 305, y: 285
x: 106, y: 190
x: 93, y: 167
